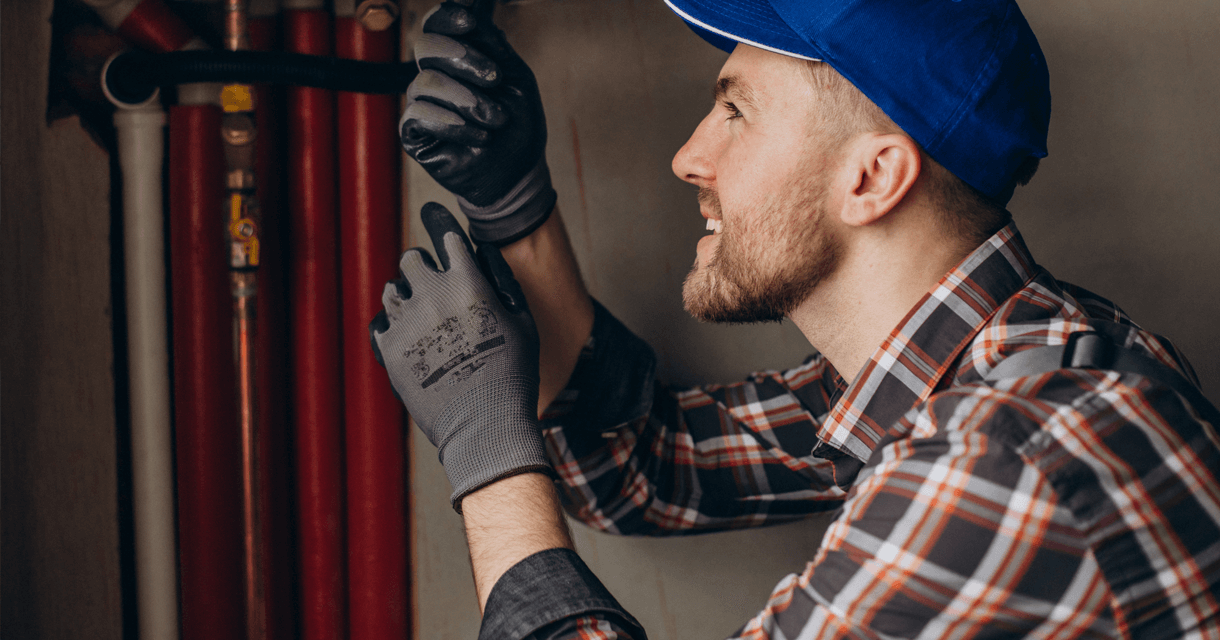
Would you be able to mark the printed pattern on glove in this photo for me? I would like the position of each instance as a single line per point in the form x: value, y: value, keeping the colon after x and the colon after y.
x: 451, y: 349
x: 462, y: 354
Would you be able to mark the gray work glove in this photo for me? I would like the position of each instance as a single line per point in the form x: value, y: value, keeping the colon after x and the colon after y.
x: 474, y: 122
x: 461, y: 350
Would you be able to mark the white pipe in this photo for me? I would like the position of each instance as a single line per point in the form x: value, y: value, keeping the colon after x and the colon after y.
x: 141, y: 151
x: 113, y: 12
x: 198, y: 92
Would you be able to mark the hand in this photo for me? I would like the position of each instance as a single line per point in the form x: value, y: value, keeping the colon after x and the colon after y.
x: 461, y: 350
x: 474, y: 121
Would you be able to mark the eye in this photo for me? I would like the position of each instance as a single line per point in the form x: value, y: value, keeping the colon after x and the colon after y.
x: 734, y: 112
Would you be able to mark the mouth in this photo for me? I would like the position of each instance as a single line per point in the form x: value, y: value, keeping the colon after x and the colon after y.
x: 708, y: 242
x: 709, y: 208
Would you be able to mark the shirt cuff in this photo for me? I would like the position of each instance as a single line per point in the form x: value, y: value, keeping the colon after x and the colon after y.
x: 544, y: 588
x: 613, y: 382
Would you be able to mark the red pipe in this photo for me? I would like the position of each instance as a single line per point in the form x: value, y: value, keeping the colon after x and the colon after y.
x: 376, y: 467
x: 317, y: 376
x: 149, y: 24
x: 272, y: 353
x: 153, y: 26
x: 205, y: 422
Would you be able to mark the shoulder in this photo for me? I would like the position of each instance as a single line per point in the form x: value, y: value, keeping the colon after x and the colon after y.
x: 1058, y: 404
x: 1045, y: 312
x: 1097, y: 437
x: 1130, y: 465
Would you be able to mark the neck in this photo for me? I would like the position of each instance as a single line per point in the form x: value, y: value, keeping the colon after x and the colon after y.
x: 885, y: 269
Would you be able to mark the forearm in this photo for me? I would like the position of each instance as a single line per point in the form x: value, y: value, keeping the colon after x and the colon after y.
x: 545, y: 266
x: 530, y: 582
x: 508, y: 521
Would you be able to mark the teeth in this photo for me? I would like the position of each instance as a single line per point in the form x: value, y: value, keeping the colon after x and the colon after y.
x: 714, y: 225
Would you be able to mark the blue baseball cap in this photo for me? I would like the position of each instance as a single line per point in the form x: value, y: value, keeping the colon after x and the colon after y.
x: 965, y: 79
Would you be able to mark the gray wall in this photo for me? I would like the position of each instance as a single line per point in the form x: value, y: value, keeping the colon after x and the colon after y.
x: 1125, y: 205
x: 57, y: 423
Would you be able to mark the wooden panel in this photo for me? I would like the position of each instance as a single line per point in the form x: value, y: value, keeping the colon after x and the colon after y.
x: 60, y: 532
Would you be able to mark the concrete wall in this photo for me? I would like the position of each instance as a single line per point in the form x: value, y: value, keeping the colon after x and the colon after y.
x: 57, y: 419
x: 1126, y: 205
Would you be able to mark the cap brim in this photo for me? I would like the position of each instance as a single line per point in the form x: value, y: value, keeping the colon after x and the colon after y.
x: 753, y: 22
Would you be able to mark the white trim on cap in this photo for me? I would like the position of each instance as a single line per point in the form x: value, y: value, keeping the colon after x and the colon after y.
x: 730, y: 36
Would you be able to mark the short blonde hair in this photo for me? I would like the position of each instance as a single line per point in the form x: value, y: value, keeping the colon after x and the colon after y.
x: 846, y: 112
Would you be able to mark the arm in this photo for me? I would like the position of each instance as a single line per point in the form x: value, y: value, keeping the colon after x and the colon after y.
x: 474, y: 122
x: 509, y: 521
x: 530, y: 582
x: 460, y: 347
x: 545, y: 266
x: 638, y: 457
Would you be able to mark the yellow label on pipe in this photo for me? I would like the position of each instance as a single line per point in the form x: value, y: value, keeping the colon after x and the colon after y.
x: 236, y: 98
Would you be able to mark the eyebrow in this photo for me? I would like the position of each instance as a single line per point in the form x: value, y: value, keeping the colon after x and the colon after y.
x: 732, y: 84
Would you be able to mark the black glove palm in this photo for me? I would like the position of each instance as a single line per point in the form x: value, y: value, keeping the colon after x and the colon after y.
x: 474, y: 121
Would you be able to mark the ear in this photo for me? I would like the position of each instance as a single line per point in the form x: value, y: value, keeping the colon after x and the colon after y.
x: 881, y: 169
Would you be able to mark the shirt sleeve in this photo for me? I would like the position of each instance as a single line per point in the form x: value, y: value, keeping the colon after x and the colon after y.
x: 636, y: 456
x: 552, y: 595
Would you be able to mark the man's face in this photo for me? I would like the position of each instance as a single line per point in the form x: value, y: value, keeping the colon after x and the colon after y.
x: 763, y: 176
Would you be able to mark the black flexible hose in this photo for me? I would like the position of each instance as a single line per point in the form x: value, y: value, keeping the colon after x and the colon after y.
x: 134, y: 75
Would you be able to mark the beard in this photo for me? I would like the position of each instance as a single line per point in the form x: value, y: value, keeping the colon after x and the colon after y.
x: 762, y: 275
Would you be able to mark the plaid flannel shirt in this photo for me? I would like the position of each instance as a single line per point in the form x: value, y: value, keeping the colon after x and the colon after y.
x: 1067, y: 504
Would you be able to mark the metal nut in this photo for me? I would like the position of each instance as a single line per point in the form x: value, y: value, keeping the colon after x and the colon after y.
x: 377, y: 15
x: 238, y: 129
x: 240, y: 180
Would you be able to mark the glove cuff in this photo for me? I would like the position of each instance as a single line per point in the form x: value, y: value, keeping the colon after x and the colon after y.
x: 491, y: 438
x: 516, y: 215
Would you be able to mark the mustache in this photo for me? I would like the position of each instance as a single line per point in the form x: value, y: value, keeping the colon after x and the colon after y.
x: 710, y: 200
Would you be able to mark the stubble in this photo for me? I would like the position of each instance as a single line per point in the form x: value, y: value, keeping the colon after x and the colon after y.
x: 763, y: 274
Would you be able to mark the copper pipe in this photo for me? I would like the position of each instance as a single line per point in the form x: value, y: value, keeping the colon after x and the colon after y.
x: 245, y: 285
x: 239, y: 135
x: 244, y: 257
x: 237, y: 33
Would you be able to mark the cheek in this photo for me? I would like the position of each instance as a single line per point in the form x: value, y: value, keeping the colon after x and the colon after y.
x: 758, y: 236
x: 753, y: 194
x: 773, y: 227
x: 743, y: 174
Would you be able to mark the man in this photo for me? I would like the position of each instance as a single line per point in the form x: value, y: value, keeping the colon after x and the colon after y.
x: 853, y: 172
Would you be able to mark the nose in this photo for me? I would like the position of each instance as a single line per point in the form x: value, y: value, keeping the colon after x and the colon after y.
x: 693, y: 162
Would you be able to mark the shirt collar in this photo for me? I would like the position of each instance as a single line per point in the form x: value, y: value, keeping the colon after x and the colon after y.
x: 921, y: 351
